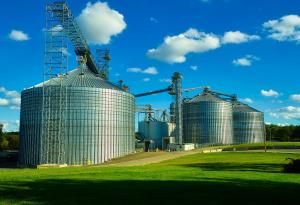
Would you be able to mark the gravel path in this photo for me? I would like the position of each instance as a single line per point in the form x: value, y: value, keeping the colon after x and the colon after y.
x: 145, y: 158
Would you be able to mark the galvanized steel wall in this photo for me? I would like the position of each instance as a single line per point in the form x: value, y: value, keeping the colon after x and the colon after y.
x: 99, y: 126
x: 153, y: 130
x: 207, y: 122
x: 248, y: 125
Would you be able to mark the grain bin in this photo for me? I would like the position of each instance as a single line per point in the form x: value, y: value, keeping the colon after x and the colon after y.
x: 207, y: 120
x: 248, y: 124
x: 83, y: 119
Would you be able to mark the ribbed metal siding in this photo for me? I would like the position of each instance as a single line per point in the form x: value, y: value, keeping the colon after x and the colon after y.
x: 30, y: 127
x: 154, y: 130
x: 208, y: 122
x: 99, y: 125
x: 248, y: 126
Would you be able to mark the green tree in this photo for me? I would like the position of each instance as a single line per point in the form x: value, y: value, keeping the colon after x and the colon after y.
x: 13, y: 142
x: 1, y: 136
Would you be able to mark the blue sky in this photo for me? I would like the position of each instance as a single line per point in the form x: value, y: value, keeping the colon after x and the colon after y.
x: 249, y: 48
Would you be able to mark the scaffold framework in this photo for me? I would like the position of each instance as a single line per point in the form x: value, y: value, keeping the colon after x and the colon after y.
x: 55, y: 69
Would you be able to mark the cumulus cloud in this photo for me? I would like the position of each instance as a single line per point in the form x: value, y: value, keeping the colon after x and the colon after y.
x: 146, y: 79
x: 13, y: 94
x: 269, y: 93
x: 10, y: 125
x: 295, y: 97
x: 99, y: 22
x: 175, y: 48
x: 287, y: 28
x: 17, y: 35
x: 165, y: 80
x: 13, y: 98
x: 134, y: 70
x: 247, y: 100
x: 237, y: 37
x: 245, y: 61
x: 150, y: 70
x: 4, y: 102
x: 288, y: 113
x: 194, y: 67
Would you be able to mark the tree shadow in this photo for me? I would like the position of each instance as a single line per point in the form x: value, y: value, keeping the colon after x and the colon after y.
x: 205, y: 191
x: 222, y: 166
x: 5, y: 164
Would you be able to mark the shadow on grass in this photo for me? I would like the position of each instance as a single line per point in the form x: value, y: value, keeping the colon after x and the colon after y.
x: 206, y: 191
x: 255, y: 167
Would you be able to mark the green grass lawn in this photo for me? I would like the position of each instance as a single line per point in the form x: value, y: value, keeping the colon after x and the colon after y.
x: 260, y: 145
x: 217, y: 178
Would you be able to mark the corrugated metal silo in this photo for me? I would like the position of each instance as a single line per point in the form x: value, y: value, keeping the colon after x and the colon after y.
x: 154, y: 130
x: 207, y: 119
x: 94, y: 124
x: 248, y: 124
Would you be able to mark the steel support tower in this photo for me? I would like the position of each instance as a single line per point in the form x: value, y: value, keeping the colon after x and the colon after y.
x: 55, y: 68
x: 177, y: 83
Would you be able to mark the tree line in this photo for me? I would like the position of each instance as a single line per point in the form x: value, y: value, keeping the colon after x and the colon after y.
x: 289, y: 133
x: 8, y: 140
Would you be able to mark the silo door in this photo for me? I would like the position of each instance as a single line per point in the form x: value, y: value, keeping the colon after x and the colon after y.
x: 147, y: 145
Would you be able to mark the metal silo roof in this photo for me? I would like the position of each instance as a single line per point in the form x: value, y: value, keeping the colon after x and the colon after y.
x: 205, y: 97
x: 80, y: 78
x: 241, y: 107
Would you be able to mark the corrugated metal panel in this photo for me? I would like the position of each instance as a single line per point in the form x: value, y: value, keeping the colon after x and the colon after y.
x: 207, y: 119
x: 153, y: 130
x: 99, y: 124
x: 248, y: 124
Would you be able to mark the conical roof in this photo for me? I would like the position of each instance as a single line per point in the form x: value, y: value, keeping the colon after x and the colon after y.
x: 205, y: 97
x: 241, y: 107
x: 80, y: 78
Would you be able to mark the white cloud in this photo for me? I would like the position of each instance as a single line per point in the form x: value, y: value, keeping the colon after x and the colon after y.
x: 146, y: 79
x: 13, y: 98
x: 10, y: 125
x: 17, y: 35
x: 150, y: 70
x: 4, y: 102
x: 15, y: 102
x: 295, y: 97
x: 287, y: 28
x: 288, y: 113
x: 99, y: 22
x: 269, y: 93
x: 194, y: 67
x: 13, y: 94
x: 175, y: 48
x: 247, y: 100
x: 237, y: 37
x: 165, y: 80
x: 64, y: 51
x: 54, y: 30
x: 245, y: 61
x: 134, y: 70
